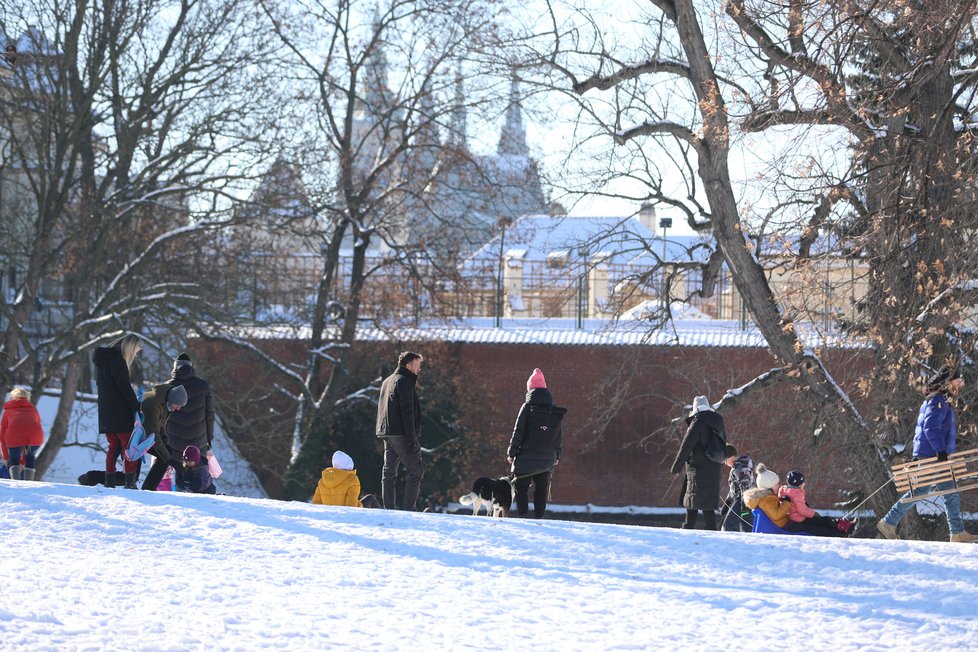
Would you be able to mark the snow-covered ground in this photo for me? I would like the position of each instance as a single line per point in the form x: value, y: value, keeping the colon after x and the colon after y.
x: 94, y: 569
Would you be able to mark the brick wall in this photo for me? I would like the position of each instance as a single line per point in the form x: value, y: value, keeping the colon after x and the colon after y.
x: 618, y: 439
x: 638, y: 391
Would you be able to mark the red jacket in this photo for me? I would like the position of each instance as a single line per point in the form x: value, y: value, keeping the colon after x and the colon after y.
x: 20, y: 425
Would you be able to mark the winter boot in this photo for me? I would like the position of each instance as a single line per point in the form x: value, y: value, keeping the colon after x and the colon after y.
x: 130, y: 481
x: 887, y: 530
x: 15, y: 472
x: 28, y: 473
x: 964, y: 537
x: 109, y: 482
x: 845, y: 525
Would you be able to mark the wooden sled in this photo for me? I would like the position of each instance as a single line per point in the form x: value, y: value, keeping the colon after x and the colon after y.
x: 916, y: 479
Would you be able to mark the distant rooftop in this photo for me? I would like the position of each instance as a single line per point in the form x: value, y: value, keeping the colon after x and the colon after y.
x: 617, y: 240
x: 595, y: 332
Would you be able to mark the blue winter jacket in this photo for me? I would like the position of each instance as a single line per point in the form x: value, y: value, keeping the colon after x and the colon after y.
x: 937, y: 428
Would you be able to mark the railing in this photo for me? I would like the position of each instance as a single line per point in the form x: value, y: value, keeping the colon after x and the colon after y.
x: 269, y: 287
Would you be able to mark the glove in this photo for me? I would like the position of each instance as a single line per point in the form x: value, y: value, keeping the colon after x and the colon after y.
x: 942, y: 456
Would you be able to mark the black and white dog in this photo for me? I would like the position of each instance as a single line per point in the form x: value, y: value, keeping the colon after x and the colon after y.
x: 496, y: 495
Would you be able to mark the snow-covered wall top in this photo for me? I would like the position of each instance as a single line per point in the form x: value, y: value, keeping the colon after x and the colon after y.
x: 596, y: 332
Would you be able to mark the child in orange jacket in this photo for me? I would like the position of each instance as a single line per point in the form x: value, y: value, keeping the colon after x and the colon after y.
x: 339, y: 484
x: 765, y: 496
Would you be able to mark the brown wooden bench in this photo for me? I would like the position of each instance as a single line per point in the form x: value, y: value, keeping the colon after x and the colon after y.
x: 916, y: 478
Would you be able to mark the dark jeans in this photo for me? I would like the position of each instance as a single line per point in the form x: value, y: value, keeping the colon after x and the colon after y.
x: 541, y: 487
x: 395, y: 454
x: 820, y: 526
x: 28, y: 454
x: 709, y: 519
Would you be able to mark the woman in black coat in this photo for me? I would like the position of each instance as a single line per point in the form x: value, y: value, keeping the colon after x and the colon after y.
x: 701, y: 485
x: 117, y: 402
x: 535, y: 446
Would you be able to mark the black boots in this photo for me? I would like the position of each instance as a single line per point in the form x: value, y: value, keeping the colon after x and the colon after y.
x: 109, y: 482
x: 130, y: 481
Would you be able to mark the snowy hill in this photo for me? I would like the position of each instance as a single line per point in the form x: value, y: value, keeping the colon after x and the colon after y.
x: 136, y: 570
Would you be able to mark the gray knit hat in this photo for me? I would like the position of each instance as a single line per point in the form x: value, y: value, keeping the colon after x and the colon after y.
x: 177, y: 396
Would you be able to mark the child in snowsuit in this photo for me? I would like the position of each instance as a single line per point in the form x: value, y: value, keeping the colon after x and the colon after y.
x: 741, y: 478
x: 765, y: 496
x: 194, y: 477
x: 802, y: 518
x: 339, y: 484
x: 20, y: 434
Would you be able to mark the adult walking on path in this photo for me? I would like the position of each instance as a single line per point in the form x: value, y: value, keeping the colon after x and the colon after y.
x: 935, y: 436
x: 117, y: 402
x: 534, y: 448
x: 399, y: 426
x: 21, y: 434
x: 701, y: 483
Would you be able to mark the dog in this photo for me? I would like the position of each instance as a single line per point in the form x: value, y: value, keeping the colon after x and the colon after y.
x: 495, y: 495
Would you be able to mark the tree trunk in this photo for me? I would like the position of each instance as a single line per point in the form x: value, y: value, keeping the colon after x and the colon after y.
x: 59, y: 429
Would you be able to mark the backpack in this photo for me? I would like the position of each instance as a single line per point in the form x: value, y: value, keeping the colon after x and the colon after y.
x: 140, y: 441
x: 716, y: 447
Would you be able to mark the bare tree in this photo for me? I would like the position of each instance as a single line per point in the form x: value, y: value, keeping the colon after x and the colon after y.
x: 367, y: 90
x: 886, y: 87
x: 125, y: 127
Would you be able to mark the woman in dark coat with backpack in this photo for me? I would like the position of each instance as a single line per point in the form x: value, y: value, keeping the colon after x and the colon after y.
x: 117, y: 403
x: 701, y: 485
x: 535, y: 446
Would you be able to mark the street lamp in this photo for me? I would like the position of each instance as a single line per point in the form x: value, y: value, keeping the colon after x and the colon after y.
x: 582, y: 288
x: 664, y: 223
x: 502, y: 223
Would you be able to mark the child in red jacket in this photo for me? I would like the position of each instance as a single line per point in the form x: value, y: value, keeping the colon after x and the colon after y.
x: 803, y: 518
x: 21, y: 434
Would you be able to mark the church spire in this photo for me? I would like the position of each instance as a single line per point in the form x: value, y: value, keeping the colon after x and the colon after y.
x: 427, y: 117
x: 458, y: 136
x: 512, y: 140
x: 374, y: 81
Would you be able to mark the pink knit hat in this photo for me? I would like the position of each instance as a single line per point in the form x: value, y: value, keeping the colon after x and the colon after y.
x: 536, y: 381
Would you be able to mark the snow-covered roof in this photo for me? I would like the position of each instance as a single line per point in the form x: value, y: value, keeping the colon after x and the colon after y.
x: 619, y: 240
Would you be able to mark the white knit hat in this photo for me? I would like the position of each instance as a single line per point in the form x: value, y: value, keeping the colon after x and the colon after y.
x: 342, y: 461
x: 766, y: 479
x: 701, y: 404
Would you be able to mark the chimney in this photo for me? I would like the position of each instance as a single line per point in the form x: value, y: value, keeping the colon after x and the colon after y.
x: 646, y: 215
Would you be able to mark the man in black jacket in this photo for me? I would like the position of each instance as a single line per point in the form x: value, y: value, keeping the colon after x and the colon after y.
x: 399, y: 425
x: 193, y: 425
